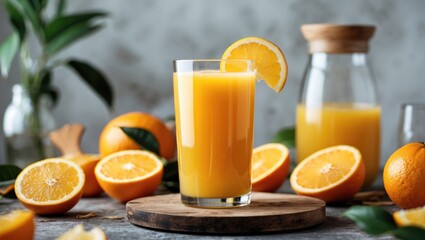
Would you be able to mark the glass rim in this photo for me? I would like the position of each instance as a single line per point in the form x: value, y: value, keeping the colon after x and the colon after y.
x: 212, y: 60
x: 414, y: 105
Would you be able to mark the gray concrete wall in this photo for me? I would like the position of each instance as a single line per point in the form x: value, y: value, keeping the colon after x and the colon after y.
x: 142, y: 37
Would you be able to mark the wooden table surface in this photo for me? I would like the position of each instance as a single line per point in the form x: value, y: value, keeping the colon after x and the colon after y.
x: 111, y: 217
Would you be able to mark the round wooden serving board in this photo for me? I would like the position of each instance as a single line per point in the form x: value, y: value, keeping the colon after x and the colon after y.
x: 268, y: 212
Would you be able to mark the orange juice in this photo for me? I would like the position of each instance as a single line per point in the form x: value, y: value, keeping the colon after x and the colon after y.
x: 214, y: 119
x: 357, y: 125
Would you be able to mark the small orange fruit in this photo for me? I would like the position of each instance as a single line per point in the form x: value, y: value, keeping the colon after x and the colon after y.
x: 411, y: 217
x: 88, y: 162
x: 78, y: 232
x: 113, y: 139
x: 332, y: 174
x: 18, y: 224
x: 270, y: 62
x: 129, y: 174
x: 404, y: 176
x: 270, y: 167
x: 50, y: 186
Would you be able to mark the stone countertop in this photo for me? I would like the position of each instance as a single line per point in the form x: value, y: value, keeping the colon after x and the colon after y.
x: 111, y: 217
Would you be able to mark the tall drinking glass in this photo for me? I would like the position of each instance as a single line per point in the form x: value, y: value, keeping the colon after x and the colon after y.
x: 214, y: 107
x: 412, y: 123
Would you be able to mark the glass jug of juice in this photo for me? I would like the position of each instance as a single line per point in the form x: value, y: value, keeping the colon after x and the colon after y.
x: 338, y: 102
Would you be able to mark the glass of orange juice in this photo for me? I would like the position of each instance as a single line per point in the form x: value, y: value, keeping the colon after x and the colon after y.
x: 214, y: 123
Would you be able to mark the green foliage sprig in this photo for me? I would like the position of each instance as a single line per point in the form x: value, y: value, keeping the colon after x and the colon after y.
x: 53, y: 34
x: 285, y: 136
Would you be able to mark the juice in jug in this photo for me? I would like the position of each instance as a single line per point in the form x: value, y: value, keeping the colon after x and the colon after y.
x: 357, y: 125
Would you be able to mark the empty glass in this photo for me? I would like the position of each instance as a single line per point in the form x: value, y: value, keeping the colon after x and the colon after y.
x: 412, y: 123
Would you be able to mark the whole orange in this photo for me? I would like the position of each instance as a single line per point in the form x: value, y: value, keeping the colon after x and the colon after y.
x: 113, y: 139
x: 404, y: 176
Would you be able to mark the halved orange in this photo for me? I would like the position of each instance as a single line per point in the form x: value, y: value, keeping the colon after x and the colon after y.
x: 332, y: 174
x: 50, y: 186
x: 270, y: 62
x: 78, y: 232
x: 18, y: 224
x: 88, y: 162
x: 411, y: 217
x: 270, y: 167
x: 129, y: 174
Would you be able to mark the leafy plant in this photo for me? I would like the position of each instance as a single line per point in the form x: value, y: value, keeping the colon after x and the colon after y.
x: 376, y: 221
x: 53, y: 34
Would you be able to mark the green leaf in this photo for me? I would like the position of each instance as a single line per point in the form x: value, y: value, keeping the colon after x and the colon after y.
x: 38, y: 5
x: 172, y: 186
x: 170, y: 118
x: 47, y: 88
x: 410, y: 233
x: 171, y: 171
x: 285, y: 136
x: 170, y: 178
x: 35, y: 4
x: 61, y: 24
x: 143, y: 137
x: 16, y: 18
x: 8, y: 174
x: 60, y: 7
x: 69, y: 36
x: 46, y: 80
x: 7, y: 53
x: 53, y: 94
x: 44, y: 3
x: 33, y: 16
x: 371, y: 219
x: 94, y: 78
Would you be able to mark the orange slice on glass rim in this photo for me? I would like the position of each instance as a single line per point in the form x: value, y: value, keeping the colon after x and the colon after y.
x: 270, y: 62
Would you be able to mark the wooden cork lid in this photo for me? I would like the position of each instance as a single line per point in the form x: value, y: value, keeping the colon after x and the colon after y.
x: 336, y: 38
